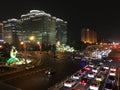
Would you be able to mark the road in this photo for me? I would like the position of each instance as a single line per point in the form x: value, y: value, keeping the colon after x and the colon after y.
x: 115, y: 62
x: 35, y: 79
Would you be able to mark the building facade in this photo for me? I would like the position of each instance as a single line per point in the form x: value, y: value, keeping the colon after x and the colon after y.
x: 1, y: 31
x: 12, y: 31
x: 45, y: 29
x: 61, y: 31
x: 88, y: 36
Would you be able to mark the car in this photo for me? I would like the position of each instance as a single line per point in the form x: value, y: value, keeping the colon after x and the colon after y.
x: 94, y: 86
x: 69, y: 83
x: 88, y: 68
x: 101, y: 63
x: 98, y: 66
x: 109, y: 60
x: 29, y: 67
x: 106, y: 67
x: 112, y: 69
x: 77, y: 57
x: 83, y: 71
x: 111, y: 79
x: 91, y: 65
x: 108, y: 86
x: 112, y: 73
x: 103, y: 71
x: 95, y: 70
x: 75, y: 89
x: 50, y: 72
x: 76, y: 76
x: 99, y: 78
x: 83, y: 81
x: 91, y: 75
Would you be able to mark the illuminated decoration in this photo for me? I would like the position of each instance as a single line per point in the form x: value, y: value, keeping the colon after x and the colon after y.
x: 13, y: 57
x: 13, y: 60
x: 64, y: 48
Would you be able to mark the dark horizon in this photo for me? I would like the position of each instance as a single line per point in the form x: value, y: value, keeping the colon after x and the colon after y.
x: 102, y: 17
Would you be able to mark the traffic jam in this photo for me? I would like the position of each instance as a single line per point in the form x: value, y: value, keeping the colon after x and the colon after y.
x: 96, y: 75
x: 92, y: 77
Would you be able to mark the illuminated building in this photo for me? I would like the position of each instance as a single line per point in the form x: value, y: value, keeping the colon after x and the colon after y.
x: 45, y: 28
x: 88, y: 36
x: 1, y: 31
x: 61, y: 28
x: 12, y: 31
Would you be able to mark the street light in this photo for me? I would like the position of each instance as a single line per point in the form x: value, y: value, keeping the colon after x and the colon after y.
x: 39, y: 46
x: 31, y: 38
x: 25, y: 50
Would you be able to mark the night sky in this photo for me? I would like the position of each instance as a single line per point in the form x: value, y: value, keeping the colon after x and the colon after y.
x: 103, y: 17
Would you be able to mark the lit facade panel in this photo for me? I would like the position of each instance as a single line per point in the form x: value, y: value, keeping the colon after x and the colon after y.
x: 51, y: 29
x: 1, y: 31
x: 11, y: 32
x: 46, y: 29
x: 61, y: 31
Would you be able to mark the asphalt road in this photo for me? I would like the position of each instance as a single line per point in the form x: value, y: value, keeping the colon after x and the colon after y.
x: 35, y: 79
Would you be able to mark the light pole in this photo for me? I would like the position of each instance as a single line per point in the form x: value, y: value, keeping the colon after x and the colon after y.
x: 54, y: 50
x: 25, y: 50
x: 39, y: 46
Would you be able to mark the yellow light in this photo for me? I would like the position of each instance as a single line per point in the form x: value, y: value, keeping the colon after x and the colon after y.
x: 32, y: 38
x: 38, y: 42
x: 58, y: 42
x: 1, y: 46
x: 21, y: 43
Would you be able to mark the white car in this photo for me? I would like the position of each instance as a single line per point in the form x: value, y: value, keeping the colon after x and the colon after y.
x: 91, y: 65
x: 95, y: 70
x: 91, y: 75
x: 106, y: 67
x: 69, y: 83
x: 112, y: 69
x: 109, y: 60
x: 94, y: 86
x: 77, y: 76
x: 112, y: 73
x: 99, y: 78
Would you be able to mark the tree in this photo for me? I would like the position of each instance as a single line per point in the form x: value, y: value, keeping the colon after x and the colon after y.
x: 78, y: 45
